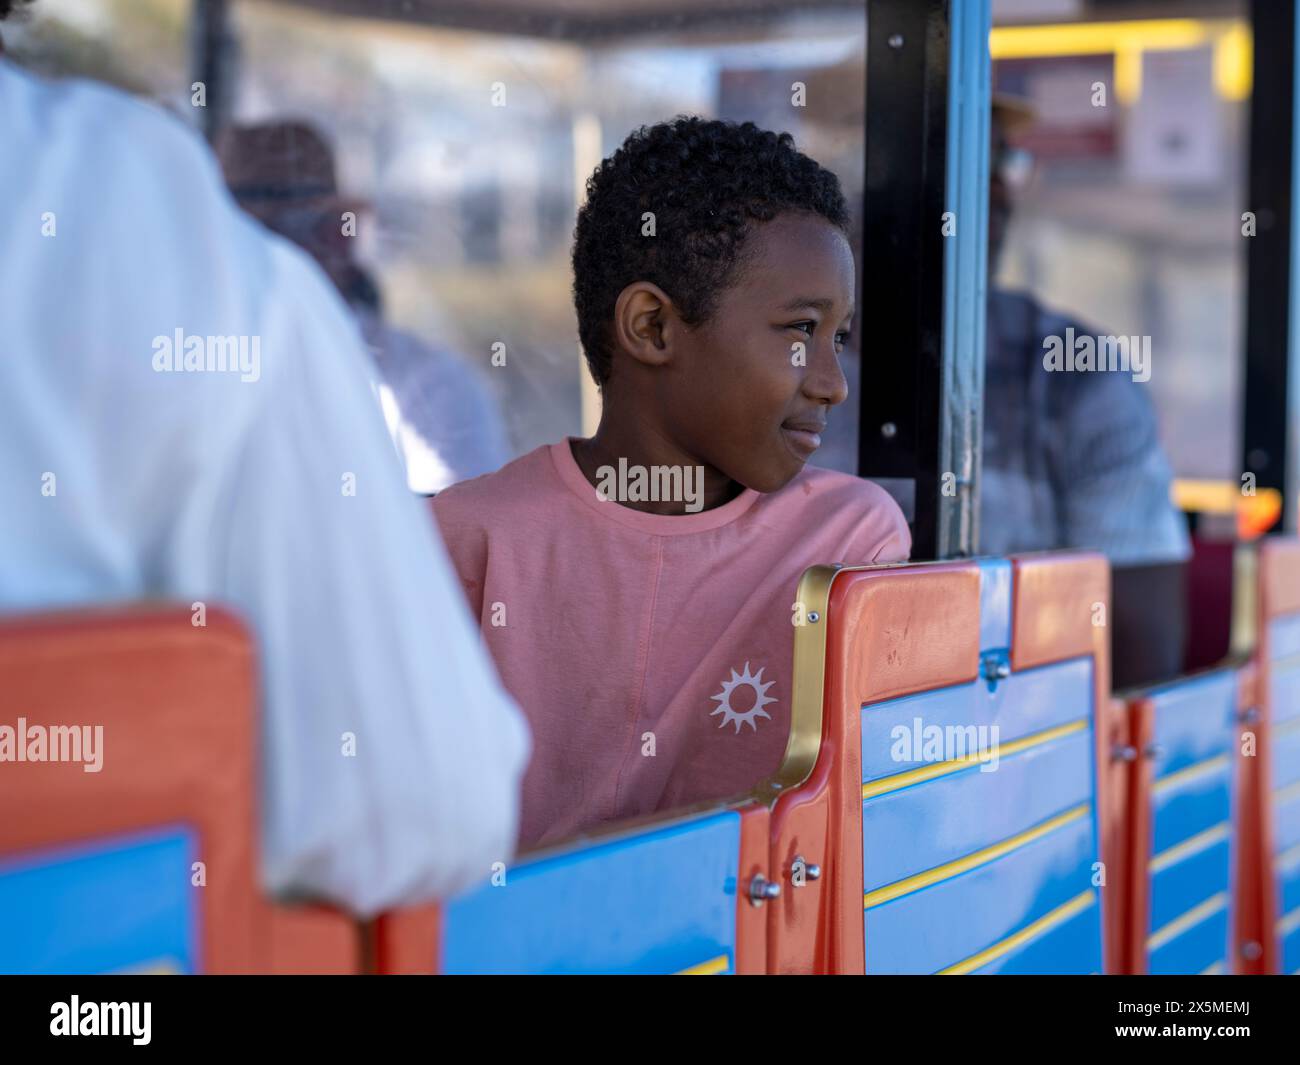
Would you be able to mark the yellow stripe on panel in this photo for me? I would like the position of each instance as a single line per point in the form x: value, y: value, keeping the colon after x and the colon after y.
x: 708, y: 968
x: 1030, y: 932
x: 1214, y: 969
x: 1288, y: 924
x: 971, y: 861
x: 165, y: 966
x: 1194, y: 916
x: 1287, y: 792
x: 1198, y: 842
x: 906, y: 779
x: 1286, y: 728
x: 1288, y: 857
x: 1200, y: 769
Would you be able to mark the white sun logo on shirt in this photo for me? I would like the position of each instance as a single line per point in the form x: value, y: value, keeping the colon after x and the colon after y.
x: 748, y: 717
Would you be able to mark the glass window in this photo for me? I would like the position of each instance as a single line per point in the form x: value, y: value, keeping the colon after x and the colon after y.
x: 469, y: 149
x: 1129, y: 163
x: 458, y: 144
x: 1117, y: 188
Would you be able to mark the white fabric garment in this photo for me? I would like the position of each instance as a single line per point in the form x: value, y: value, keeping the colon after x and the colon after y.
x: 231, y: 487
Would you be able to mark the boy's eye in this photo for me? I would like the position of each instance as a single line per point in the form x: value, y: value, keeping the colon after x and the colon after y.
x: 841, y: 339
x: 804, y: 327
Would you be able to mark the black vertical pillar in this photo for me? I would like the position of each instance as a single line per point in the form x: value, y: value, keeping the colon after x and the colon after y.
x: 903, y: 253
x: 1267, y: 417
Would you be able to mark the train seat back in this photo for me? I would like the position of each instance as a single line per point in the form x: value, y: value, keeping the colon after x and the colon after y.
x: 1186, y: 805
x: 955, y: 799
x: 128, y: 785
x: 672, y: 895
x: 1278, y: 767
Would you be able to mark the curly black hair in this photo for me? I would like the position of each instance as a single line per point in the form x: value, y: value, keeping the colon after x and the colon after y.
x: 707, y: 182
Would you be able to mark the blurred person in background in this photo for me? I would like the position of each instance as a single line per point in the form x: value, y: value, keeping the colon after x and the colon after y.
x: 441, y: 413
x: 272, y: 489
x: 1073, y: 459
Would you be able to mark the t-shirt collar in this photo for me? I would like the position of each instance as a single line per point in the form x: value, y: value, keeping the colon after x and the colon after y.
x: 566, y: 466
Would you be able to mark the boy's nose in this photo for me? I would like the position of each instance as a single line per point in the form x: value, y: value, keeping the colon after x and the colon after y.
x: 825, y: 381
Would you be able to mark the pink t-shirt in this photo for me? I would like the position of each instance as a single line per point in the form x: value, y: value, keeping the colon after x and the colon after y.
x: 651, y: 653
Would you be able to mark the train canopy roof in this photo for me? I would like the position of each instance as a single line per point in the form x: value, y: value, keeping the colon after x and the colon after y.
x: 569, y: 19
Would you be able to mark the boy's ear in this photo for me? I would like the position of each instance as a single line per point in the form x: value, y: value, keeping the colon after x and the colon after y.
x: 644, y: 323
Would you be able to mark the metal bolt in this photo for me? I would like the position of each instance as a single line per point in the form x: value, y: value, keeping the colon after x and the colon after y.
x: 1154, y: 750
x: 761, y: 890
x: 895, y: 41
x: 1251, y: 951
x: 810, y: 872
x: 995, y: 668
x: 889, y: 430
x: 1124, y: 752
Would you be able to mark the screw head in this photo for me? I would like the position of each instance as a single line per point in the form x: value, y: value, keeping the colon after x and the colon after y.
x: 994, y: 668
x: 895, y: 41
x: 889, y: 430
x: 762, y: 890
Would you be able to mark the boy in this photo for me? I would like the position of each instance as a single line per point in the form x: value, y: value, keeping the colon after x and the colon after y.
x: 636, y: 589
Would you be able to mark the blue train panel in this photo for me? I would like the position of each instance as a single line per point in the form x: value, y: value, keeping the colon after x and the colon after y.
x: 937, y: 925
x: 1286, y: 755
x: 663, y: 901
x: 1284, y: 686
x: 1284, y: 634
x: 1196, y: 942
x: 1181, y: 885
x: 925, y: 825
x: 1190, y: 865
x: 1025, y: 703
x: 1194, y: 721
x: 1190, y: 802
x: 1287, y: 867
x: 1055, y: 949
x: 1289, y: 934
x: 1284, y: 637
x: 1286, y: 818
x: 119, y: 903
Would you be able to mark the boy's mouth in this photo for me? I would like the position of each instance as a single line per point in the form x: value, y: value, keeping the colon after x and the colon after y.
x: 804, y: 435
